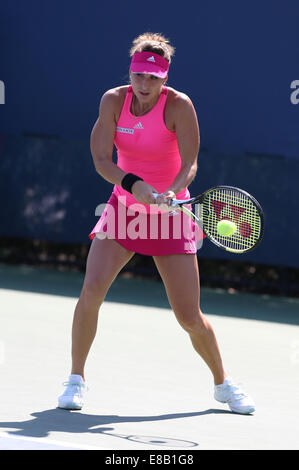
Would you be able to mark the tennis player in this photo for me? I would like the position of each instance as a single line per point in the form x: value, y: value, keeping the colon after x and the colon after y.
x: 156, y: 133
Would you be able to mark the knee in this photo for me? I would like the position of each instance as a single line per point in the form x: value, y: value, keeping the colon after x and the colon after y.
x: 192, y: 322
x: 93, y: 291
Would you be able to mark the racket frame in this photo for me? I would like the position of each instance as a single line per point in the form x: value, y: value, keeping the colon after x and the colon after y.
x: 179, y: 204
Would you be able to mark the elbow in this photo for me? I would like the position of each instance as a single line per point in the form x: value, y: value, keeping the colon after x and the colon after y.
x: 190, y: 167
x: 99, y: 159
x: 102, y: 170
x: 98, y: 164
x: 193, y: 170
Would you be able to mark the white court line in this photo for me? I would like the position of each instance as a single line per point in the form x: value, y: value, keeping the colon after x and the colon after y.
x: 42, y: 440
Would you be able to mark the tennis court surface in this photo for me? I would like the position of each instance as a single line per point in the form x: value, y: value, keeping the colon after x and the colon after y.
x: 148, y: 389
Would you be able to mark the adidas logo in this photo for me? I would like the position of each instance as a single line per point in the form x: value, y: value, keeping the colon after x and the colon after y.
x: 151, y: 59
x: 138, y: 126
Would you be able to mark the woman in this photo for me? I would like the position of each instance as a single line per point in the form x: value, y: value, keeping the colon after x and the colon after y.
x: 155, y: 130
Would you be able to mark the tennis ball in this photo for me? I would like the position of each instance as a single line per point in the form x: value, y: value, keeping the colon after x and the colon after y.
x: 226, y: 228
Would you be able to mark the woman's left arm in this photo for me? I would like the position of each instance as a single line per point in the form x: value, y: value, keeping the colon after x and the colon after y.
x: 187, y: 132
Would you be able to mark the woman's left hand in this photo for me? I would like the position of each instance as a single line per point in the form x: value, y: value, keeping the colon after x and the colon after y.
x: 164, y: 200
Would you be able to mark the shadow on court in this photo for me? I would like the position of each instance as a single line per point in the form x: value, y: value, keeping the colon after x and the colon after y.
x: 57, y: 420
x: 69, y: 284
x: 151, y: 294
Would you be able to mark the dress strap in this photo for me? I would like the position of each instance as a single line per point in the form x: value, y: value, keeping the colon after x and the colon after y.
x: 128, y: 99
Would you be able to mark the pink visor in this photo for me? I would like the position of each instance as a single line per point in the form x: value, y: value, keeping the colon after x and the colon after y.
x: 149, y: 62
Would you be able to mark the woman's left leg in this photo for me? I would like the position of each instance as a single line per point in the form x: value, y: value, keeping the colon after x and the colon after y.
x: 180, y: 276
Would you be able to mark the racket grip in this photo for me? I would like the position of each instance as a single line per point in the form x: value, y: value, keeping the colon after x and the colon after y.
x: 157, y: 194
x: 173, y: 202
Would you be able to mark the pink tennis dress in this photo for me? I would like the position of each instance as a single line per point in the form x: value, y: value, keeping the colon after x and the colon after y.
x: 148, y: 149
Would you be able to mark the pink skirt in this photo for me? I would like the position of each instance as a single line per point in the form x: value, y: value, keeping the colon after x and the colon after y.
x: 152, y: 234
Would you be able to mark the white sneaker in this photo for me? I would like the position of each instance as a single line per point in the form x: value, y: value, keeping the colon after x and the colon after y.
x: 237, y: 399
x: 72, y: 397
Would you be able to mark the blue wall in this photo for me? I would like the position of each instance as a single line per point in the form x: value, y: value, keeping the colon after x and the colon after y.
x: 236, y: 60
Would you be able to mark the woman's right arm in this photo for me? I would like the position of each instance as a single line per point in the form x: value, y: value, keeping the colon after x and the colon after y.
x: 101, y: 146
x: 102, y: 139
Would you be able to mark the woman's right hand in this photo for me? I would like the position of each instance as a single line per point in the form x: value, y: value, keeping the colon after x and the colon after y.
x: 144, y: 192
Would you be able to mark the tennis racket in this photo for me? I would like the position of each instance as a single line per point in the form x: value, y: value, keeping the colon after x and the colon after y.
x: 227, y: 203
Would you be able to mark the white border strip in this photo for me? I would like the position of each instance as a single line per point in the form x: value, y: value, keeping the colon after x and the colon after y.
x: 42, y: 440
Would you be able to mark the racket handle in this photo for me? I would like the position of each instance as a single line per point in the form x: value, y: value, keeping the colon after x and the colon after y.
x: 177, y: 202
x: 173, y: 202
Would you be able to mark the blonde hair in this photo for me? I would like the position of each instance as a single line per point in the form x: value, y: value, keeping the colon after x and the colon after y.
x: 153, y: 42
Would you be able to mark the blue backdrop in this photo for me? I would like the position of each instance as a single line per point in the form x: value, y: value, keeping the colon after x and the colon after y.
x: 236, y: 60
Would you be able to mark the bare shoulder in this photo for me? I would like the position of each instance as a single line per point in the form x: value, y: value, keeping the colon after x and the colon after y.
x: 179, y: 110
x: 115, y: 94
x: 112, y: 100
x: 178, y: 100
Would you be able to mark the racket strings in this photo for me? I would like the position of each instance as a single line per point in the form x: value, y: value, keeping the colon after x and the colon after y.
x: 232, y: 205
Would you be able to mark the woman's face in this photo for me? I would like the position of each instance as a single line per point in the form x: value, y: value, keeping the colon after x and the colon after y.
x: 146, y: 87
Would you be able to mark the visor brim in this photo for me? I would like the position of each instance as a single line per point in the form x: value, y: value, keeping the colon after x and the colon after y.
x: 150, y: 69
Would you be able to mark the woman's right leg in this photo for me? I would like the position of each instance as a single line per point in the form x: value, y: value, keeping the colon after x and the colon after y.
x: 105, y: 260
